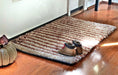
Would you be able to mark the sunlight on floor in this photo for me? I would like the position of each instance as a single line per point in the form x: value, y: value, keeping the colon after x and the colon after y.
x: 110, y: 44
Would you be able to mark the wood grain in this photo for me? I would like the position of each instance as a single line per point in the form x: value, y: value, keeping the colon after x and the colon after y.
x: 103, y: 60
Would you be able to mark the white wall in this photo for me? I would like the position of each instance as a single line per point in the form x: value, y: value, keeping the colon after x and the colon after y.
x: 81, y: 3
x: 18, y: 16
x: 115, y: 1
x: 89, y: 3
x: 73, y: 4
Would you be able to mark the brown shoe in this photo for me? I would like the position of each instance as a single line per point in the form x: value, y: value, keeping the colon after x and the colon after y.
x: 78, y: 47
x: 68, y: 49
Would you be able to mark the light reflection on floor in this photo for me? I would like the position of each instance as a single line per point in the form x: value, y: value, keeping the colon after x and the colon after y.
x: 94, y: 61
x: 96, y: 68
x: 95, y: 56
x: 110, y: 44
x: 74, y: 72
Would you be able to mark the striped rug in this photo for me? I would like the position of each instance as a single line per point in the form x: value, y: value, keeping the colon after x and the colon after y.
x: 47, y: 40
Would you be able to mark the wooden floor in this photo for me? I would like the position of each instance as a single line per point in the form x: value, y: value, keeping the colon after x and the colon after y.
x: 103, y: 60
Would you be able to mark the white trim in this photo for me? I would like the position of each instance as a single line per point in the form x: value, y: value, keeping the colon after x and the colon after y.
x: 68, y: 8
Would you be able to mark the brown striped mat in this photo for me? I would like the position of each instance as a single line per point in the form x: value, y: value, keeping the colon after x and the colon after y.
x: 47, y: 40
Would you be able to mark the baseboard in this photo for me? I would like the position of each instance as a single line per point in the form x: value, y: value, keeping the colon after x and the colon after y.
x: 36, y: 27
x: 79, y: 8
x: 77, y: 11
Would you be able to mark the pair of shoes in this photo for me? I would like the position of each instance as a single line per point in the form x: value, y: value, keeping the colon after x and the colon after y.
x: 78, y: 47
x: 70, y: 49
